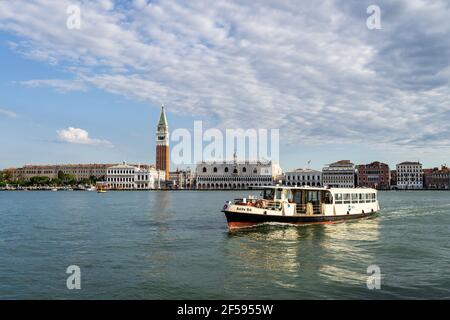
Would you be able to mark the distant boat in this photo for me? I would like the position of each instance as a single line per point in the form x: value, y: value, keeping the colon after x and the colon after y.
x: 101, y: 189
x: 54, y: 189
x: 91, y: 188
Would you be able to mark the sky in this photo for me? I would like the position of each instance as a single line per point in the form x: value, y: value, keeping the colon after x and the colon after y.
x: 334, y: 88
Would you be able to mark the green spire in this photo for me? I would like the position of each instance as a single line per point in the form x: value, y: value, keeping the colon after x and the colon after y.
x: 162, y: 117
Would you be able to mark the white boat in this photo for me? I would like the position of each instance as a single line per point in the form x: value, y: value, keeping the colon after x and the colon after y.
x: 54, y: 189
x: 301, y: 205
x: 91, y: 188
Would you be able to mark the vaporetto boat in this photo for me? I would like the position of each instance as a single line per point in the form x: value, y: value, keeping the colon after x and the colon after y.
x: 301, y: 205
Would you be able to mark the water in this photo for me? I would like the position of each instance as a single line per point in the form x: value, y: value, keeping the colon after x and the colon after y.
x: 175, y: 245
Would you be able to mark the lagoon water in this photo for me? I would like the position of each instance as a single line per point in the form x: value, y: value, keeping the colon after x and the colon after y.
x: 175, y: 245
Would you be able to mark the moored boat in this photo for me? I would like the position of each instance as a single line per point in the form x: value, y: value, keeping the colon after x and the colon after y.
x: 301, y: 205
x: 101, y: 190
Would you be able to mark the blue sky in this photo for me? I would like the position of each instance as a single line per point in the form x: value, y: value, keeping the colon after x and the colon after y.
x: 334, y: 88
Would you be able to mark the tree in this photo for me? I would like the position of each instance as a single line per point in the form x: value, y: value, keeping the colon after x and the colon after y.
x: 70, y: 179
x: 2, y: 179
x: 40, y: 181
x: 66, y: 179
x: 61, y: 175
x: 21, y: 182
x: 5, y: 176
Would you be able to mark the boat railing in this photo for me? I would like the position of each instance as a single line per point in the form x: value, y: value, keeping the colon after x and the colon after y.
x: 260, y: 203
x: 273, y: 204
x: 303, y: 208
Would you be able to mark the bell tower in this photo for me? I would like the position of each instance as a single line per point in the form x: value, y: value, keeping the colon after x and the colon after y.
x: 162, y: 144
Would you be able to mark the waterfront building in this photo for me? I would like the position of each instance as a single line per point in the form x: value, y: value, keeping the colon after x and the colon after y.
x: 181, y: 179
x: 303, y: 177
x: 409, y: 175
x: 340, y: 174
x: 393, y: 179
x: 437, y: 178
x: 129, y: 177
x: 162, y: 144
x: 236, y: 175
x: 373, y: 175
x: 79, y: 171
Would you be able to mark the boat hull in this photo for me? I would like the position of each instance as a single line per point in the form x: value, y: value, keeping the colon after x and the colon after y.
x: 238, y: 220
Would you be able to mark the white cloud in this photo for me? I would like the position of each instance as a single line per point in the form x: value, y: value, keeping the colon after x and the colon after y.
x: 8, y: 113
x: 60, y: 85
x: 106, y: 4
x: 80, y: 136
x: 315, y: 68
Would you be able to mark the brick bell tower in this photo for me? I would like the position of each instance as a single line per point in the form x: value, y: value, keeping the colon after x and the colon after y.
x: 162, y: 144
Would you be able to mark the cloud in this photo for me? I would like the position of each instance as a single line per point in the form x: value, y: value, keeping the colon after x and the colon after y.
x: 8, y: 113
x: 80, y: 136
x: 59, y: 85
x: 313, y: 70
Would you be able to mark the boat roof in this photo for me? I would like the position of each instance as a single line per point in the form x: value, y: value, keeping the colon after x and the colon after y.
x: 333, y: 190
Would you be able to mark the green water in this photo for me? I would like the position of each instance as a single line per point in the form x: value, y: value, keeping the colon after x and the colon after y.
x: 175, y: 245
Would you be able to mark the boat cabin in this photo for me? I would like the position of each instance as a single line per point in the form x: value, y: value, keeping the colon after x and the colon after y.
x: 313, y: 200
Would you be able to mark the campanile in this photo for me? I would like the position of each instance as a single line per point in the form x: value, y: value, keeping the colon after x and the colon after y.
x: 162, y: 144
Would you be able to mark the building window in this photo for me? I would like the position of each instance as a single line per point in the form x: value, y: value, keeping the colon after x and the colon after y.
x: 235, y: 171
x: 244, y: 169
x: 255, y: 171
x: 215, y: 169
x: 226, y: 169
x: 204, y: 169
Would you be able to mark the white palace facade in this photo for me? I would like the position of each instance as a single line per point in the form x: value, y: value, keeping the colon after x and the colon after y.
x: 128, y: 177
x: 236, y: 175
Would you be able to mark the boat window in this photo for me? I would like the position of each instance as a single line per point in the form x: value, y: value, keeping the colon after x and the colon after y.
x: 298, y: 196
x: 368, y: 197
x: 268, y: 194
x: 346, y: 197
x: 354, y: 198
x: 278, y: 194
x: 289, y: 196
x: 374, y: 198
x: 338, y: 198
x: 313, y: 197
x: 328, y: 198
x: 361, y: 198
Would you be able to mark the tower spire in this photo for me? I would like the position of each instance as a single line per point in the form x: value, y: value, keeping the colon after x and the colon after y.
x: 162, y: 117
